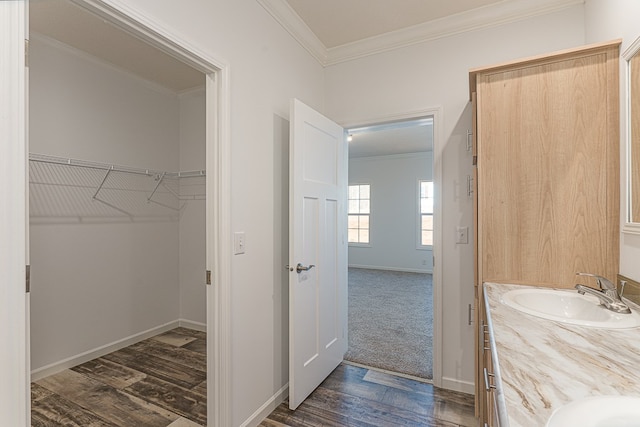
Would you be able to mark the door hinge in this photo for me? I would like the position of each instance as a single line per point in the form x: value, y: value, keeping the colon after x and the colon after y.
x: 26, y: 53
x: 208, y: 277
x: 28, y: 279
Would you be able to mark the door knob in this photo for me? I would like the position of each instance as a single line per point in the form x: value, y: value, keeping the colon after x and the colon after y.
x: 300, y: 268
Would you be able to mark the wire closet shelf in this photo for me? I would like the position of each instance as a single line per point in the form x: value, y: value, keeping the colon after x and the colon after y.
x: 64, y: 189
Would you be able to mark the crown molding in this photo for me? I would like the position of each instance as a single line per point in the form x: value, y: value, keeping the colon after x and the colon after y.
x: 484, y: 17
x: 299, y: 30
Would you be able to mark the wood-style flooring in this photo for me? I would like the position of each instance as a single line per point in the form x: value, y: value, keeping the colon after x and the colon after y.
x: 157, y: 382
x: 161, y: 382
x: 358, y: 397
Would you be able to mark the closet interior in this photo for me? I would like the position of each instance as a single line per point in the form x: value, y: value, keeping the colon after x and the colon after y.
x: 116, y: 193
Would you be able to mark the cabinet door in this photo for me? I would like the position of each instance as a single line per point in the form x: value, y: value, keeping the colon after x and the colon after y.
x: 480, y: 404
x: 489, y: 380
x: 547, y: 174
x: 474, y: 127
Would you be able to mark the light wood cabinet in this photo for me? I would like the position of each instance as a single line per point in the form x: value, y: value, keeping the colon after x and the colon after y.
x: 547, y: 173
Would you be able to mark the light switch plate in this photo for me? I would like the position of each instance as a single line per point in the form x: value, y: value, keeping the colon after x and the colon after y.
x: 462, y: 235
x: 238, y: 242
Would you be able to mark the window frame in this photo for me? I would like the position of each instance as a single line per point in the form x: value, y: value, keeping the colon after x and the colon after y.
x: 359, y: 244
x: 419, y: 215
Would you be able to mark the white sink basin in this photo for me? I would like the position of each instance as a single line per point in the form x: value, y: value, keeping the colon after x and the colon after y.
x: 601, y: 411
x: 568, y: 306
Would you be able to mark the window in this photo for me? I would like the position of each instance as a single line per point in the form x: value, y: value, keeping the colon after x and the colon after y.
x: 426, y: 213
x: 359, y: 211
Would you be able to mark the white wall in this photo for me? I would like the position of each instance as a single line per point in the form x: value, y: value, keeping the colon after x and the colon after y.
x: 605, y: 20
x: 97, y: 282
x: 435, y: 74
x: 394, y: 205
x: 192, y: 252
x: 267, y: 68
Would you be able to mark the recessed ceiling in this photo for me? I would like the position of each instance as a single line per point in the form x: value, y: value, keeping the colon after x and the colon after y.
x: 338, y: 22
x: 335, y: 31
x: 72, y: 25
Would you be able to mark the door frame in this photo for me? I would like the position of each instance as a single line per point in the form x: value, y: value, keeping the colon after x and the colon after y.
x: 218, y: 213
x: 436, y: 113
x: 14, y: 300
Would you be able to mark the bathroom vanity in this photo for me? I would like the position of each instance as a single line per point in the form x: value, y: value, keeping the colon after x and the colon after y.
x: 541, y: 365
x: 546, y: 184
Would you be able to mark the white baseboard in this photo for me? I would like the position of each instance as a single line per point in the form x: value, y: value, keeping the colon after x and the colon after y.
x: 404, y: 270
x: 458, y: 385
x: 190, y: 324
x: 274, y: 401
x: 78, y: 359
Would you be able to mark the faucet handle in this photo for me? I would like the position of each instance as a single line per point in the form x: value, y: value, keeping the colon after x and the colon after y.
x: 603, y: 282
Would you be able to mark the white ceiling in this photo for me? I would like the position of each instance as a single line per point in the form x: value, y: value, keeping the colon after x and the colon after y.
x: 393, y: 138
x: 72, y: 25
x: 338, y: 22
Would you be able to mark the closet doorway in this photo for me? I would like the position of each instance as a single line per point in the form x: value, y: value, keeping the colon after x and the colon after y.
x: 122, y: 162
x: 393, y: 236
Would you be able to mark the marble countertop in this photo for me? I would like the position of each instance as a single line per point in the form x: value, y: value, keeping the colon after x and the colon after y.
x: 543, y: 365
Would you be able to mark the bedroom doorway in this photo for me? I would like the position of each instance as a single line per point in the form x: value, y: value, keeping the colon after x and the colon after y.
x: 392, y: 235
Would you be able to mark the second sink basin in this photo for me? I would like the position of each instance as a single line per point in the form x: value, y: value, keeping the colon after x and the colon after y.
x: 568, y: 307
x: 602, y: 411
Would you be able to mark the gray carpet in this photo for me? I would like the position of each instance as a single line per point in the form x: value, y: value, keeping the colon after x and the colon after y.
x: 391, y: 321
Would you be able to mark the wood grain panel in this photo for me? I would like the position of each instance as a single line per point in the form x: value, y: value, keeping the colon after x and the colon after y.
x: 104, y: 392
x: 201, y: 388
x: 183, y: 422
x: 176, y: 399
x: 158, y: 367
x: 38, y: 392
x: 547, y: 184
x: 57, y: 411
x: 174, y: 338
x: 199, y: 346
x: 107, y: 372
x: 355, y: 396
x: 185, y: 355
x: 106, y: 402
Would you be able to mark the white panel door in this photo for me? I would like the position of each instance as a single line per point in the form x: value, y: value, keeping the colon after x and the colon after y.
x: 318, y: 250
x: 14, y: 333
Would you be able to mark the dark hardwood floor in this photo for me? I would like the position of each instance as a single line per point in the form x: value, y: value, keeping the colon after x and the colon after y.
x: 354, y: 396
x: 161, y: 382
x: 157, y: 382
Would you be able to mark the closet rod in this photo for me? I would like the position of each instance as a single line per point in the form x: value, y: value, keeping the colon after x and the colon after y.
x: 44, y: 158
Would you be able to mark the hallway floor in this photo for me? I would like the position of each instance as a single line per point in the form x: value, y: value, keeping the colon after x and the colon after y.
x: 161, y: 382
x: 355, y: 396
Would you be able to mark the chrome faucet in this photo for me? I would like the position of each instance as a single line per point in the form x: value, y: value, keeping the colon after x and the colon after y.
x: 607, y: 294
